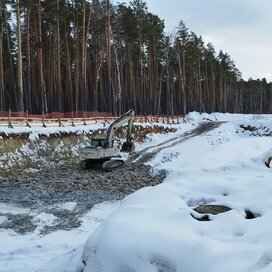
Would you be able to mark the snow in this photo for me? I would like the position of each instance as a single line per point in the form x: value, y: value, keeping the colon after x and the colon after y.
x: 232, y: 117
x: 25, y: 253
x: 154, y: 231
x: 153, y: 228
x: 35, y: 130
x: 5, y: 208
x: 67, y: 206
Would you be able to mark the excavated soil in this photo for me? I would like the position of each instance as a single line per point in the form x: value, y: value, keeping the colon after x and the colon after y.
x: 65, y: 179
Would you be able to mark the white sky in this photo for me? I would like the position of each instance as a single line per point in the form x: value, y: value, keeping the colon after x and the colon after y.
x: 242, y: 28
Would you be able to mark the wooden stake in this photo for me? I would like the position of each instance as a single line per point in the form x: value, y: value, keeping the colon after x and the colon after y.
x: 9, y: 120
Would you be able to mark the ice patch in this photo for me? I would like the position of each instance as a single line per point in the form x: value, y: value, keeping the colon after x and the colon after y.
x: 2, y: 219
x: 5, y: 208
x: 69, y: 206
x: 44, y: 219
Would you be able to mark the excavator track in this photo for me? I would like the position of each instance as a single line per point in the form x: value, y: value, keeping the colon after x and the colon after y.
x: 92, y: 164
x: 112, y: 164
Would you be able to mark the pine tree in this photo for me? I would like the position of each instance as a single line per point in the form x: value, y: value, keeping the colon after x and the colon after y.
x: 19, y: 59
x: 2, y: 85
x: 65, y: 55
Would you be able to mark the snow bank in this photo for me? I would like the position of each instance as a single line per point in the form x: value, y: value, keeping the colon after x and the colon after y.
x: 35, y: 147
x: 35, y: 131
x: 233, y: 117
x: 153, y: 230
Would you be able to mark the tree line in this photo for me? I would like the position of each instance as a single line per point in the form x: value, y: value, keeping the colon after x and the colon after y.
x: 79, y: 55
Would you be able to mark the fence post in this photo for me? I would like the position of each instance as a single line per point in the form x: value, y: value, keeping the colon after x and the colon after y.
x: 43, y: 124
x: 84, y: 121
x: 168, y: 122
x: 73, y: 124
x: 177, y: 119
x: 60, y: 123
x: 9, y: 120
x: 27, y: 124
x: 147, y: 120
x: 105, y: 120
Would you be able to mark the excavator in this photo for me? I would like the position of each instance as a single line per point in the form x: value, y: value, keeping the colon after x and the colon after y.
x: 102, y: 153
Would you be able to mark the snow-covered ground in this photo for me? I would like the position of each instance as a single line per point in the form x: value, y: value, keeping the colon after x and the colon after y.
x: 153, y: 229
x: 25, y: 253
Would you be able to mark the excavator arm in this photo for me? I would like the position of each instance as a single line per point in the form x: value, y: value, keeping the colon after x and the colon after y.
x: 125, y: 118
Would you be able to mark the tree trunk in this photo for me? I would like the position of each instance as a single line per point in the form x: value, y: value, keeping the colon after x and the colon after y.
x: 69, y: 84
x: 213, y: 90
x: 76, y: 56
x: 2, y: 85
x: 119, y: 88
x: 182, y: 79
x: 19, y: 60
x: 12, y: 94
x: 59, y: 84
x: 28, y: 102
x: 108, y: 56
x: 40, y: 60
x: 83, y: 81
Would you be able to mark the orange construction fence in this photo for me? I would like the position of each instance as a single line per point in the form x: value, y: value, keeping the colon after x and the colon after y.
x: 55, y: 115
x: 10, y: 117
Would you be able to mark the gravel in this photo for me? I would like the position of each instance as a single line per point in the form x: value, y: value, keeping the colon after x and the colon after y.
x: 42, y: 190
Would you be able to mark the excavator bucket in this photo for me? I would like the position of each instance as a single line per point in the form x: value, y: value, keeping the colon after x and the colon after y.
x: 128, y: 147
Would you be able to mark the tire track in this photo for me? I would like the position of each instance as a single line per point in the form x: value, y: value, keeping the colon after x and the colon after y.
x: 144, y: 155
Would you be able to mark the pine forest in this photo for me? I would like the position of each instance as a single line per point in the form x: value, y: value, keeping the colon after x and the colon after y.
x: 79, y: 55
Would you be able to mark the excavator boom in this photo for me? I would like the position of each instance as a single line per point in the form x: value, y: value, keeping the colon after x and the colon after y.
x: 125, y: 118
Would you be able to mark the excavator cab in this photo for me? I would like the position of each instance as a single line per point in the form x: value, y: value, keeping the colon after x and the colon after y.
x: 98, y: 142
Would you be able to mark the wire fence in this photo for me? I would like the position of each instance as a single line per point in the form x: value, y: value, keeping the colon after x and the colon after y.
x: 12, y: 119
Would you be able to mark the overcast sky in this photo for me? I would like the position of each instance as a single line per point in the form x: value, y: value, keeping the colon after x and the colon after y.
x: 242, y: 28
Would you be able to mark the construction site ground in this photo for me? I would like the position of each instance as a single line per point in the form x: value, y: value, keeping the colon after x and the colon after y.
x: 42, y: 191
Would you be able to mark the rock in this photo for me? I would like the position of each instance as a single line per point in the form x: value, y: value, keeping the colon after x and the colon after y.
x: 251, y: 215
x: 211, y: 209
x: 269, y: 162
x: 204, y: 217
